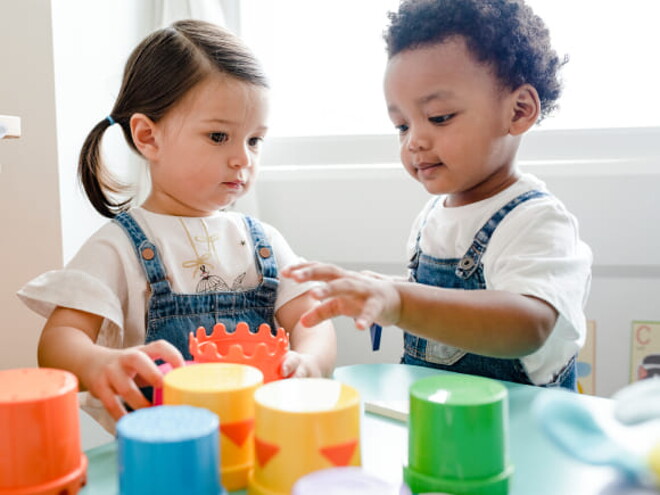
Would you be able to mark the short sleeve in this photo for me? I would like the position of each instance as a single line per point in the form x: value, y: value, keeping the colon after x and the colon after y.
x: 285, y: 256
x: 71, y: 288
x: 539, y: 253
x: 103, y: 278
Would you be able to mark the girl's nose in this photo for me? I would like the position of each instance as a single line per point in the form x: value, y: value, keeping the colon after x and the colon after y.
x: 240, y: 158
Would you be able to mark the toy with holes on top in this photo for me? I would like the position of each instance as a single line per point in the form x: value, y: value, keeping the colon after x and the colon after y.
x: 261, y: 348
x: 169, y: 450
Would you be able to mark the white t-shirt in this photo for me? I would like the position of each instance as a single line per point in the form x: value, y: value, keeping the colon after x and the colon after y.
x: 535, y: 251
x: 106, y: 277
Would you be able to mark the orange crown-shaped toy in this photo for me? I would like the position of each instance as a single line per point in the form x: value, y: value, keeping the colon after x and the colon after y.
x: 260, y: 349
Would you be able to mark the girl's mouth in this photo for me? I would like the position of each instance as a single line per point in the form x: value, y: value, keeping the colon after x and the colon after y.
x: 237, y: 184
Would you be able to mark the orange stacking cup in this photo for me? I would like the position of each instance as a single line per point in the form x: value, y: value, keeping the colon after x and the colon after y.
x: 226, y: 389
x: 40, y: 452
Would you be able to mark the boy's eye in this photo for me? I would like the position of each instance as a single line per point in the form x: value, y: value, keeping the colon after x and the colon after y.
x: 441, y: 119
x: 401, y: 128
x: 218, y: 137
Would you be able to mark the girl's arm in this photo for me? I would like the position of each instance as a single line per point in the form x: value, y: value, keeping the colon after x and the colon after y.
x: 68, y: 342
x: 487, y: 322
x: 314, y: 347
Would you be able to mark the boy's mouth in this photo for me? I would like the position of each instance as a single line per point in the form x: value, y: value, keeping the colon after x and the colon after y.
x: 425, y: 170
x: 426, y: 166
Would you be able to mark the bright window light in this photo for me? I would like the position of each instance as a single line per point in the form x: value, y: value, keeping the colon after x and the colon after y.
x: 326, y: 60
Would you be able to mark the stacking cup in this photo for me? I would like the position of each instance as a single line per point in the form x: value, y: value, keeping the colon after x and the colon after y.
x: 40, y: 452
x: 303, y: 425
x: 226, y: 389
x: 168, y: 450
x: 458, y: 436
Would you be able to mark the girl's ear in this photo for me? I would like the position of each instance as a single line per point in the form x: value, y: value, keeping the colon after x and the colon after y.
x: 143, y: 131
x: 526, y: 109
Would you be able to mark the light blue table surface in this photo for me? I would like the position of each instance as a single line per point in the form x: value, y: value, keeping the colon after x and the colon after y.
x: 540, y: 468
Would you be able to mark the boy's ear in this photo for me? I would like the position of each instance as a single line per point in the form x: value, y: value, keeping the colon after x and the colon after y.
x: 143, y: 131
x: 526, y: 109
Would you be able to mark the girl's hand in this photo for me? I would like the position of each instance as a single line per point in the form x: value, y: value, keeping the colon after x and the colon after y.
x: 297, y: 365
x: 113, y: 375
x: 363, y: 296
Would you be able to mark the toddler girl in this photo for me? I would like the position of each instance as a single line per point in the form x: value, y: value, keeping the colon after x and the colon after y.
x: 193, y: 103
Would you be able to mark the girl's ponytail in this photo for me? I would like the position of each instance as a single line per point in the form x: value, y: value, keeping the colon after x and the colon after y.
x: 99, y: 184
x: 158, y: 74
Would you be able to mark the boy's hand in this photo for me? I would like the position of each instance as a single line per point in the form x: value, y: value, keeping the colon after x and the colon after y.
x: 364, y: 297
x: 298, y: 365
x: 112, y: 376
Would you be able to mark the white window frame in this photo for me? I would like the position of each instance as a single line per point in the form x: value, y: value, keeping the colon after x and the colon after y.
x: 597, y: 151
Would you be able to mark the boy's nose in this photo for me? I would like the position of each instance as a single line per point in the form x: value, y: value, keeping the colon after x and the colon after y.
x: 417, y: 141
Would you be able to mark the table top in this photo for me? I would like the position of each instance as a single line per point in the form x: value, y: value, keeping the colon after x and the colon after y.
x: 540, y: 468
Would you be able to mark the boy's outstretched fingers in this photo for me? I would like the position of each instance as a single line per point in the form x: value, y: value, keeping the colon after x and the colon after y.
x: 332, y: 308
x: 322, y: 272
x: 289, y: 270
x: 312, y: 318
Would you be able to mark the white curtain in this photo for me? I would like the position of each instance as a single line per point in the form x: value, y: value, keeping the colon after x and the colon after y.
x: 168, y: 11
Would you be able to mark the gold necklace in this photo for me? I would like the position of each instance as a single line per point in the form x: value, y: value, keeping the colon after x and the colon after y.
x: 201, y: 261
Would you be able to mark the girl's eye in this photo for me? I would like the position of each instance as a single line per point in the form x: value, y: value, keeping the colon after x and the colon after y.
x: 441, y: 119
x: 218, y: 137
x: 255, y: 142
x: 401, y: 128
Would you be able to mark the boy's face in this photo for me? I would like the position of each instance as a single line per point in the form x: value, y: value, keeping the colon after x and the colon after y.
x: 453, y: 119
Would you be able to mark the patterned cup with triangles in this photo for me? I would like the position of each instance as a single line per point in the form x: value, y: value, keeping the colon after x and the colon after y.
x: 302, y: 425
x: 226, y: 389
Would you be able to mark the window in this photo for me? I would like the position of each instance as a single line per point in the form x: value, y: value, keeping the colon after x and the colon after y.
x: 326, y: 60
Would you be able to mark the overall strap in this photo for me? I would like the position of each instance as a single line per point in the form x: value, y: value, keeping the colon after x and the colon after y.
x: 470, y: 261
x: 263, y: 252
x: 414, y: 261
x: 146, y: 252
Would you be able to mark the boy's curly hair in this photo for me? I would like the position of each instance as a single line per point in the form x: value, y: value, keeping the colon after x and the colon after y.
x: 505, y: 34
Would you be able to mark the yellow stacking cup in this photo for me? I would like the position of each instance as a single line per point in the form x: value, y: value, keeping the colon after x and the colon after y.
x: 227, y: 390
x: 303, y: 425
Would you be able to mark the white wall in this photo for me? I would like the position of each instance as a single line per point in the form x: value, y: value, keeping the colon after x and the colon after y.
x: 30, y: 242
x: 91, y: 42
x: 61, y: 65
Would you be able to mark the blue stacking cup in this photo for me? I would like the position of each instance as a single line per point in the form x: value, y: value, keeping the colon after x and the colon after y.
x: 169, y: 450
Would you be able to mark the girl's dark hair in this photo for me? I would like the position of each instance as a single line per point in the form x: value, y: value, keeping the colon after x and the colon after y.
x: 504, y: 34
x: 158, y: 73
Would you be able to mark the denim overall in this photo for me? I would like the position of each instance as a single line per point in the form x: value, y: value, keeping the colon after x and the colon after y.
x: 468, y: 273
x: 173, y: 316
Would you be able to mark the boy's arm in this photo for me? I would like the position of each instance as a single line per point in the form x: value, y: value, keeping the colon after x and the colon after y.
x: 315, y: 346
x: 491, y: 323
x: 487, y: 322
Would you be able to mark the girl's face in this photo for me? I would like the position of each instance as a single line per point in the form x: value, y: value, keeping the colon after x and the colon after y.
x: 205, y: 150
x: 453, y: 120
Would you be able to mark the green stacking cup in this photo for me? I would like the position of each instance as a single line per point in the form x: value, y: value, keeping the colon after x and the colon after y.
x: 458, y: 436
